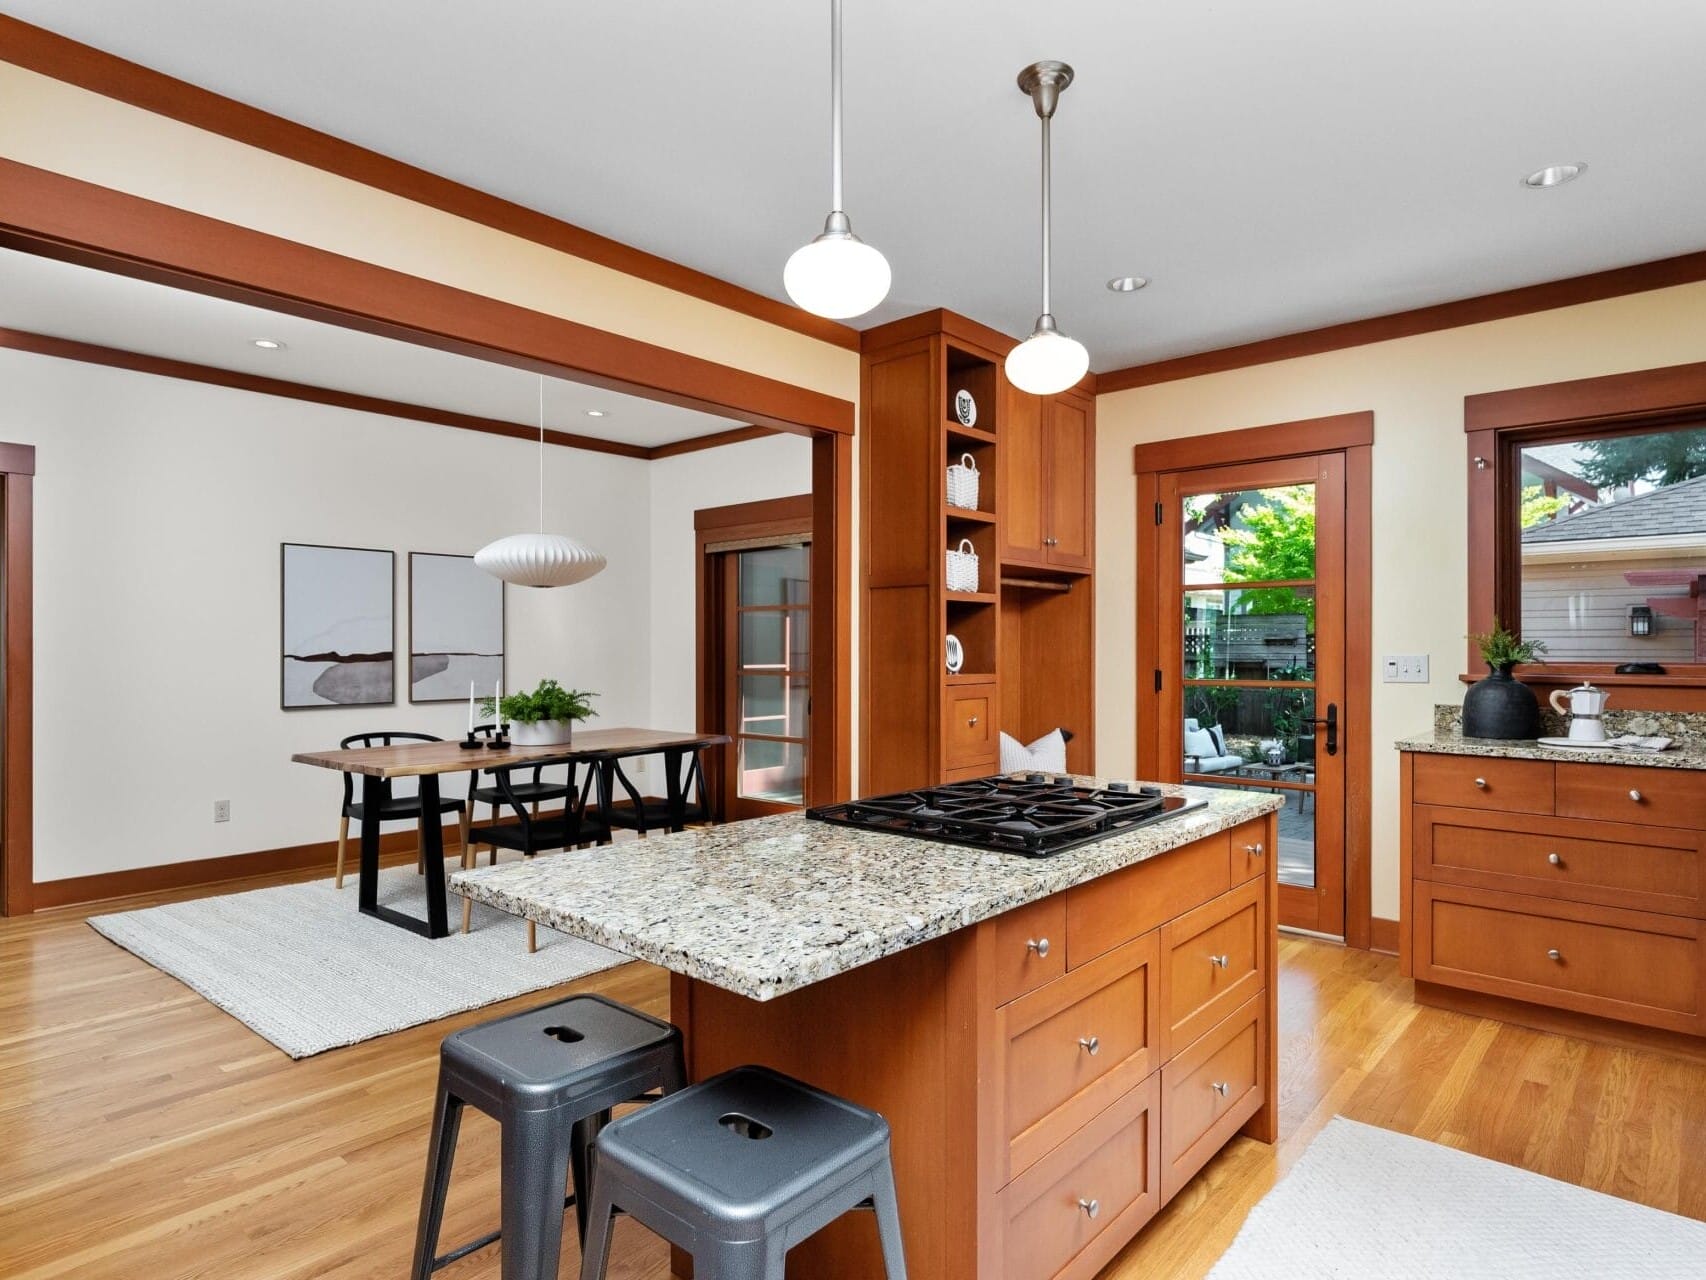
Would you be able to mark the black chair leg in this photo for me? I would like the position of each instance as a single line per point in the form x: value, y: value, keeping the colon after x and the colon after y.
x: 581, y: 1140
x: 441, y: 1154
x: 535, y: 1170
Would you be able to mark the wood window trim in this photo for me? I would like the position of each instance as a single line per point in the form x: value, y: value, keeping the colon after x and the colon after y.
x: 1497, y: 425
x: 1353, y: 434
x: 17, y: 680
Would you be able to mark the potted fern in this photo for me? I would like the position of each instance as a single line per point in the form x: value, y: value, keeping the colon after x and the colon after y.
x: 544, y: 718
x: 1500, y: 705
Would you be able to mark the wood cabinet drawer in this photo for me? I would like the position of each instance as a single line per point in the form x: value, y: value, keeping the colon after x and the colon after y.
x: 1030, y: 947
x: 1071, y: 1047
x: 968, y: 727
x: 1107, y: 912
x: 1074, y: 1210
x: 1250, y: 852
x: 1484, y: 782
x: 1211, y: 962
x: 1207, y: 1093
x: 1562, y: 858
x: 1652, y: 796
x: 1620, y: 964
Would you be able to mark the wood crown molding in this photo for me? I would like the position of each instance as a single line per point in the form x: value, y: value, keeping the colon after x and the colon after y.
x: 1248, y: 444
x: 135, y: 362
x: 1662, y: 274
x: 66, y: 60
x: 951, y: 325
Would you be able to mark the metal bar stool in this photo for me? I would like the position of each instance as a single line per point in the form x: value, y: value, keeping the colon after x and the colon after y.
x: 549, y: 1076
x: 739, y: 1169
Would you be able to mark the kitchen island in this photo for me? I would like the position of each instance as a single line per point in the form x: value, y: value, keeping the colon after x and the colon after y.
x: 1058, y: 1043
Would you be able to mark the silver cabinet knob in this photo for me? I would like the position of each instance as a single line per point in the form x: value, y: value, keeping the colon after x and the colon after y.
x: 1255, y: 850
x: 1051, y: 542
x: 1554, y: 859
x: 1039, y: 945
x: 1091, y: 1045
x: 1555, y: 954
x: 972, y: 721
x: 1219, y: 962
x: 1635, y: 796
x: 1092, y: 1208
x: 1482, y: 783
x: 1219, y: 1086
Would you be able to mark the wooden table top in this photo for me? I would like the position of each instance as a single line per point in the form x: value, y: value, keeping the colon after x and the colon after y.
x: 412, y: 759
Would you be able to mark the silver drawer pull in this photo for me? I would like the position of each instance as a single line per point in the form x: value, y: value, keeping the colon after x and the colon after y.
x: 1554, y: 859
x: 1555, y: 954
x: 1219, y: 1086
x: 1039, y: 945
x: 1255, y: 850
x: 1091, y: 1045
x: 1482, y: 783
x: 972, y: 721
x: 1092, y: 1208
x: 1635, y: 796
x: 1219, y: 962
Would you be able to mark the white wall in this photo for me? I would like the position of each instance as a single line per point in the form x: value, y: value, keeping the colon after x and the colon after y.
x: 1415, y: 386
x: 159, y: 508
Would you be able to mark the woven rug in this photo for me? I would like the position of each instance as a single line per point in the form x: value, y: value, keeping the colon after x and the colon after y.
x: 1366, y: 1202
x: 300, y: 966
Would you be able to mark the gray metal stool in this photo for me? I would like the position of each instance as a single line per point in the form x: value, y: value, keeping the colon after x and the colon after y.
x: 739, y: 1169
x: 549, y: 1076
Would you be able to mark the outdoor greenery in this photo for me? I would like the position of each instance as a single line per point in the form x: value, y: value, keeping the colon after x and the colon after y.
x: 1668, y: 457
x: 1276, y: 543
x: 1537, y: 508
x: 1501, y: 648
x: 548, y: 701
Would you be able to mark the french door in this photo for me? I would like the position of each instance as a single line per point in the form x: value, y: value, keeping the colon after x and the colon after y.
x: 766, y: 647
x: 1251, y: 645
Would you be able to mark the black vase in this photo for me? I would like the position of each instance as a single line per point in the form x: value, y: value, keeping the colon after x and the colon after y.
x: 1500, y: 706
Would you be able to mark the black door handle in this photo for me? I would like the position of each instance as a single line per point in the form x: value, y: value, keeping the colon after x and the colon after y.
x: 1332, y: 723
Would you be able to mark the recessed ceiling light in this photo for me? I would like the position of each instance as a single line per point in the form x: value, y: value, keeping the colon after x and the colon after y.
x: 267, y: 344
x: 595, y: 413
x: 1554, y: 175
x: 1127, y: 284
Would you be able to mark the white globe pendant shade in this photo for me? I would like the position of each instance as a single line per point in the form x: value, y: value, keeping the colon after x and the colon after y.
x: 1047, y: 362
x: 837, y: 276
x: 539, y: 560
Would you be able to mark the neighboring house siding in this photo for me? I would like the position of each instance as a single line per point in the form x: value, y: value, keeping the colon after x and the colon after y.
x: 1581, y: 610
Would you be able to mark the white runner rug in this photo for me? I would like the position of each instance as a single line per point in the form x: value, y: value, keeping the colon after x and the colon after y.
x: 299, y: 965
x: 1364, y: 1202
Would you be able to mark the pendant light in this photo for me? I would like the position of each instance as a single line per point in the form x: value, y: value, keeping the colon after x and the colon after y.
x: 539, y: 559
x: 837, y: 276
x: 1048, y: 361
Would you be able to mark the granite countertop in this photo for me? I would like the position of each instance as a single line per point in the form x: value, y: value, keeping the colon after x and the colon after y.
x: 768, y: 906
x: 1685, y: 754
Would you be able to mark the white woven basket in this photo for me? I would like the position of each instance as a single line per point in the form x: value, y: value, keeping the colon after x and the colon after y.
x: 962, y: 567
x: 962, y: 483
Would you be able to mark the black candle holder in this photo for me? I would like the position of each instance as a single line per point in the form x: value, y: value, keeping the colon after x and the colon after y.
x: 471, y: 743
x: 499, y: 741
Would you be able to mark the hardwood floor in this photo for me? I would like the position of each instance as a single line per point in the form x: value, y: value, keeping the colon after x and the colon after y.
x: 148, y: 1134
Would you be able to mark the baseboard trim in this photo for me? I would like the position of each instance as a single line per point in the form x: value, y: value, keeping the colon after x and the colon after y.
x: 1383, y: 935
x: 322, y: 855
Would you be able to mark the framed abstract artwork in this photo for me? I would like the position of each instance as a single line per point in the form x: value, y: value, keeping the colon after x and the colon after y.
x: 337, y: 627
x: 456, y: 628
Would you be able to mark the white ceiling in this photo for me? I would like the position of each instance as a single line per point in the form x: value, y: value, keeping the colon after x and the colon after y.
x: 63, y: 301
x: 1273, y: 166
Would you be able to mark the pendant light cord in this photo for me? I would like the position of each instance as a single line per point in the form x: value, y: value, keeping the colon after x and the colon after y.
x: 1046, y: 185
x: 835, y: 105
x: 541, y: 453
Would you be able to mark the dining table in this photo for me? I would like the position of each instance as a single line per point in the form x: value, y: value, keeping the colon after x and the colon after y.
x: 378, y: 767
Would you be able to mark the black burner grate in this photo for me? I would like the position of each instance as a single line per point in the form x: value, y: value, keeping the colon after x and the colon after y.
x: 1036, y: 815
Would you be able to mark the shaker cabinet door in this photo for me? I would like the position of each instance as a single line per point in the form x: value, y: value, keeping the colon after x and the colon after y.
x: 1070, y: 502
x: 1022, y: 460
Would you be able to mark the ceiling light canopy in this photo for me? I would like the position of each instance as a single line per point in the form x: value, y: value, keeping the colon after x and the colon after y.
x: 1554, y: 175
x: 1127, y: 284
x: 1048, y: 361
x: 539, y: 559
x: 837, y: 275
x: 268, y: 344
x: 595, y: 413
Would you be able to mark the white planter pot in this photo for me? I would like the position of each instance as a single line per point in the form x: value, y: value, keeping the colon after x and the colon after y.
x: 542, y: 733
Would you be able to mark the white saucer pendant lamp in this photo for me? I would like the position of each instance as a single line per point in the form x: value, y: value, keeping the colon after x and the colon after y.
x: 1048, y: 361
x: 539, y: 559
x: 837, y: 275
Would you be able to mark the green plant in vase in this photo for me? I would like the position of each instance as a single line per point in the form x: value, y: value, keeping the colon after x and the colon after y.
x: 544, y: 717
x: 1499, y: 705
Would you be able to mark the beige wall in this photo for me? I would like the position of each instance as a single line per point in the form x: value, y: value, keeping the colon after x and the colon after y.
x: 1415, y: 386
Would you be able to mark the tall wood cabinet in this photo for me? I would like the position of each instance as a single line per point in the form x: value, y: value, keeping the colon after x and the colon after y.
x: 1026, y: 631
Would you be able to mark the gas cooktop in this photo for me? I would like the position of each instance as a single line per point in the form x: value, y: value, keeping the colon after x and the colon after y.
x: 1036, y: 815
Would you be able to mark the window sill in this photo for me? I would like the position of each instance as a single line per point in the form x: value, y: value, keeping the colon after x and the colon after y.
x: 1682, y: 688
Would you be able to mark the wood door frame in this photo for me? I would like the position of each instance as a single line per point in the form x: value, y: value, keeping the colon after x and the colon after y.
x: 767, y: 518
x: 17, y: 680
x: 1351, y: 434
x: 69, y: 220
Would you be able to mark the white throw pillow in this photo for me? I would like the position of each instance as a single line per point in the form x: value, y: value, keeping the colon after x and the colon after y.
x: 1219, y: 736
x: 1200, y: 743
x: 1047, y: 754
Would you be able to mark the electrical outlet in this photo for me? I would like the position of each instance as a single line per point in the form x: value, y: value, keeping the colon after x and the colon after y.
x: 222, y: 811
x: 637, y: 765
x: 1405, y: 668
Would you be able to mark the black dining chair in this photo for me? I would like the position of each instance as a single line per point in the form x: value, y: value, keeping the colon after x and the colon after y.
x: 686, y: 802
x: 534, y: 792
x: 392, y: 807
x: 571, y: 827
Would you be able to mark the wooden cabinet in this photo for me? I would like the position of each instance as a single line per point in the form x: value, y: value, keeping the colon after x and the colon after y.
x: 1567, y: 895
x: 1048, y: 491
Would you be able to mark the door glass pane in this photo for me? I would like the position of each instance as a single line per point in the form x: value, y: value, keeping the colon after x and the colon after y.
x: 1252, y: 535
x: 773, y: 771
x: 775, y: 575
x: 763, y: 637
x: 764, y: 708
x: 1250, y: 633
x: 1259, y: 739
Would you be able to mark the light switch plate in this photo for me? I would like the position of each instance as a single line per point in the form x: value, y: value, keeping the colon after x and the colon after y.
x: 1404, y: 668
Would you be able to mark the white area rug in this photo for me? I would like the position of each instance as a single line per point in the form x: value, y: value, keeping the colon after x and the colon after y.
x: 1364, y: 1202
x: 299, y: 965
